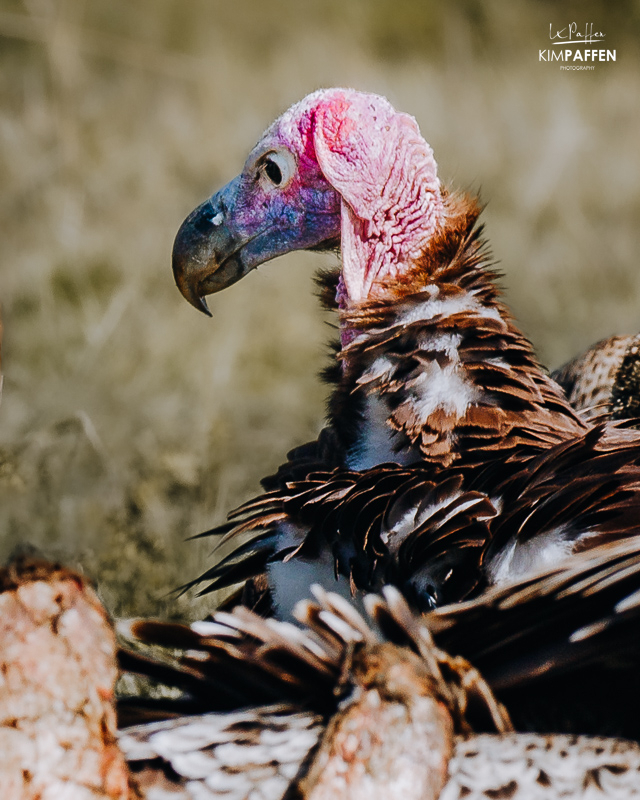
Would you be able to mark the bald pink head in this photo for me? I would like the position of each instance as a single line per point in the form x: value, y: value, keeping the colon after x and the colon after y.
x: 384, y: 171
x: 339, y: 163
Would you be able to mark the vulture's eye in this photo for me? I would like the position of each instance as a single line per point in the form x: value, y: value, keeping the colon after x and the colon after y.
x: 278, y: 167
x: 273, y: 171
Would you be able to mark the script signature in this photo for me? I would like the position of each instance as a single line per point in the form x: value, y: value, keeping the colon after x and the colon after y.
x: 571, y: 35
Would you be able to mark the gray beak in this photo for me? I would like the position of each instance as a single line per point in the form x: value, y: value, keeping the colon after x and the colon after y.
x: 207, y: 251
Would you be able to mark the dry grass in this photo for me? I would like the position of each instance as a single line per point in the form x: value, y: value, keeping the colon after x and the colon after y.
x: 129, y: 421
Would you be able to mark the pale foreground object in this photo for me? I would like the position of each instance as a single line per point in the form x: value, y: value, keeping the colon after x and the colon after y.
x: 393, y: 739
x: 263, y: 751
x: 57, y: 673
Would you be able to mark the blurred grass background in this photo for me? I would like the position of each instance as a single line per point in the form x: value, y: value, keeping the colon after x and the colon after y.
x: 128, y: 420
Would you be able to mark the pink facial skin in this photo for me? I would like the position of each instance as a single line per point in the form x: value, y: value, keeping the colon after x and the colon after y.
x: 383, y: 170
x: 340, y: 164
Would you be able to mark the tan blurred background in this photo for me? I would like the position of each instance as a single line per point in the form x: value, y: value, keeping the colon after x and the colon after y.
x: 129, y: 421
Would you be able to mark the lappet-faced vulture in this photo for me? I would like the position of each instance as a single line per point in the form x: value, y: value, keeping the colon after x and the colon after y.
x: 451, y: 461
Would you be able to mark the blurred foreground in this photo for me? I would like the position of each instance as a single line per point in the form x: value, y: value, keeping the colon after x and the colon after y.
x: 130, y: 422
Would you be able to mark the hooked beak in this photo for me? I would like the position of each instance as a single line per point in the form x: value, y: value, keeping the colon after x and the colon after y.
x: 207, y: 252
x: 241, y: 227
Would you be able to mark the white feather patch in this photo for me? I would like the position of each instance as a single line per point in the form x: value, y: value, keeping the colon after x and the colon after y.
x: 443, y: 388
x: 376, y: 441
x: 435, y: 307
x: 516, y: 560
x: 291, y: 583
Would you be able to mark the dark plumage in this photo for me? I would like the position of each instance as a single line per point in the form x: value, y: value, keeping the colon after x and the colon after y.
x: 558, y: 649
x: 358, y: 713
x: 438, y: 535
x: 238, y: 659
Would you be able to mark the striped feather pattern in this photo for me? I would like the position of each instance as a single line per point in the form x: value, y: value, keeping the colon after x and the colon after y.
x: 440, y: 535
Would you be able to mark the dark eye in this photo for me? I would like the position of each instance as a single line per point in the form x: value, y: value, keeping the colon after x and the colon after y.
x: 273, y: 172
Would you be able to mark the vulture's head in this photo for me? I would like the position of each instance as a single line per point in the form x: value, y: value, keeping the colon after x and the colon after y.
x: 340, y: 166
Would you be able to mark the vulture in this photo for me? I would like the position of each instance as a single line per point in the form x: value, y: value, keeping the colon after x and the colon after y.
x: 605, y: 379
x: 351, y: 705
x: 451, y: 462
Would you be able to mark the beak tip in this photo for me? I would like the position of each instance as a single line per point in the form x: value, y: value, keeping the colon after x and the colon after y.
x: 192, y: 296
x: 202, y: 306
